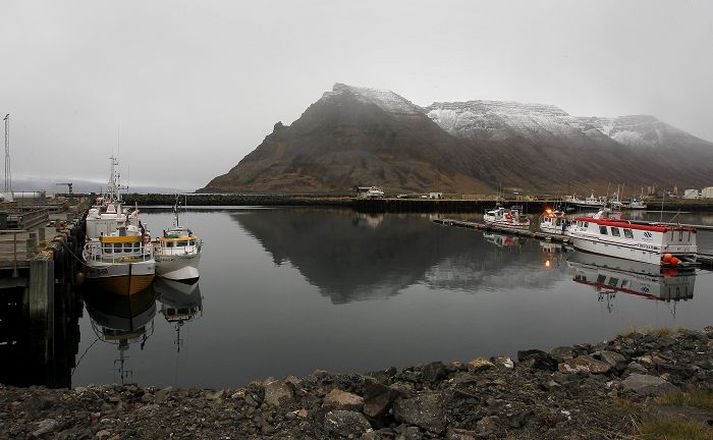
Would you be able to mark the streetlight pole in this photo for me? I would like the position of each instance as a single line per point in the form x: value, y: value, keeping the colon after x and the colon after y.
x: 8, y: 176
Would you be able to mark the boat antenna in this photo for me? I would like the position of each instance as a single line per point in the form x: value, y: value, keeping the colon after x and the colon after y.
x: 663, y: 196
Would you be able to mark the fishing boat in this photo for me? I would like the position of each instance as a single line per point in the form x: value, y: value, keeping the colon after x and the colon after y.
x: 663, y: 245
x: 553, y: 222
x: 178, y: 253
x: 506, y: 218
x: 636, y: 203
x: 107, y: 213
x: 121, y: 262
x: 591, y: 202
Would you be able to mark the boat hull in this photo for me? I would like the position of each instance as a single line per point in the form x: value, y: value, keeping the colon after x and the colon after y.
x: 509, y: 225
x: 597, y: 247
x: 122, y: 278
x: 178, y: 267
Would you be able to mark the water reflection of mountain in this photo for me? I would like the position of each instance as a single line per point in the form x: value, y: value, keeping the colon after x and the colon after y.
x: 352, y: 256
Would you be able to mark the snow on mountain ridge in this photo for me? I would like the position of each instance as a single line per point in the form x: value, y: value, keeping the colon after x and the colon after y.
x: 385, y: 99
x: 501, y: 119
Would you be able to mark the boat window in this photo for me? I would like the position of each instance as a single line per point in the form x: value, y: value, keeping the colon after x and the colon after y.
x: 628, y: 233
x: 601, y: 278
x: 117, y: 247
x: 603, y: 230
x: 615, y: 232
x: 586, y: 225
x: 689, y: 236
x: 182, y: 243
x: 107, y: 249
x: 613, y: 281
x: 192, y: 242
x: 680, y: 235
x: 169, y: 244
x: 128, y: 247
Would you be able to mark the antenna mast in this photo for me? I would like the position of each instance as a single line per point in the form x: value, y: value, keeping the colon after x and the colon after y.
x: 8, y: 175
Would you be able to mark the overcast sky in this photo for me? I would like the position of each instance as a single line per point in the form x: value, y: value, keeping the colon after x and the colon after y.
x: 196, y: 85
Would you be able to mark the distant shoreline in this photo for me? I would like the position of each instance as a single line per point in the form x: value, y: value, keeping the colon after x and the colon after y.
x: 445, y: 205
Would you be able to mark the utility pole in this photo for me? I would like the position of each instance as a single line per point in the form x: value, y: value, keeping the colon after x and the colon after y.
x: 8, y: 176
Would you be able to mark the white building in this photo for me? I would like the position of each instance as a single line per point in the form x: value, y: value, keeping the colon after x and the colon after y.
x: 707, y: 192
x: 435, y: 195
x: 690, y: 194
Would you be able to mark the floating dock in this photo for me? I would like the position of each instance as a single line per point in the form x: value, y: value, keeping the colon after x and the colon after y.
x: 545, y: 236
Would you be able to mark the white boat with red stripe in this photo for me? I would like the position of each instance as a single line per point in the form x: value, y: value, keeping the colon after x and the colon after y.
x: 664, y: 245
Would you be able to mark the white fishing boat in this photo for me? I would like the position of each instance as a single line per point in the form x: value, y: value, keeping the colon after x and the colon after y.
x: 553, y: 222
x: 591, y: 202
x: 178, y: 253
x: 121, y: 262
x: 636, y: 203
x: 663, y: 245
x: 506, y: 218
x: 107, y: 214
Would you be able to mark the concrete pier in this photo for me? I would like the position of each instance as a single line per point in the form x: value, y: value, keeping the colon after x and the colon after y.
x: 39, y: 307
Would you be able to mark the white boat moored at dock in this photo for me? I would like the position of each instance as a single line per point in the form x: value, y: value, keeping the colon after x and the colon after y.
x: 506, y: 218
x: 672, y: 246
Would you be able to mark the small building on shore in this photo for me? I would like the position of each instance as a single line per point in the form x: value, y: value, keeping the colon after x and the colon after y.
x: 707, y: 192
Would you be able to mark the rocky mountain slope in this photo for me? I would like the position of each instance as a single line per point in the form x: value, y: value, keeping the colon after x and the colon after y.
x: 360, y: 136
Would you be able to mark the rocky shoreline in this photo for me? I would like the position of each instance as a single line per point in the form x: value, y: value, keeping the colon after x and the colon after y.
x: 587, y: 391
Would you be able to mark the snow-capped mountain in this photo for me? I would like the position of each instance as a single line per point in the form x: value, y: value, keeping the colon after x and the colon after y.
x: 362, y: 136
x: 644, y: 131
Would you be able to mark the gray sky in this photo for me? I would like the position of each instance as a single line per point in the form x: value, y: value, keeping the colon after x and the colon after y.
x: 194, y: 86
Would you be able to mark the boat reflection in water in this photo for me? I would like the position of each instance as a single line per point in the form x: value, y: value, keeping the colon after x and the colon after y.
x: 609, y: 275
x: 502, y: 240
x: 123, y: 321
x: 180, y: 303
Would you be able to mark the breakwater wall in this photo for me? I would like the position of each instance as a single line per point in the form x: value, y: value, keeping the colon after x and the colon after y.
x: 583, y: 391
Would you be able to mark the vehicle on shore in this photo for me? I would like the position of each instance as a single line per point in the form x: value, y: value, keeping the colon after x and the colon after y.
x: 663, y: 245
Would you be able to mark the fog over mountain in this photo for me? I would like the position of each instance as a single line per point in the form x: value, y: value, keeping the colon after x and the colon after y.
x: 202, y: 83
x: 363, y: 136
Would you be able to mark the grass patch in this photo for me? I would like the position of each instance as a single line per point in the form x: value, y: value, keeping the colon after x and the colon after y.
x: 674, y: 429
x: 697, y: 399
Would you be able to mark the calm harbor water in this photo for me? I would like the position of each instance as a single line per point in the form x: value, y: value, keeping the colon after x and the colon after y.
x: 287, y: 291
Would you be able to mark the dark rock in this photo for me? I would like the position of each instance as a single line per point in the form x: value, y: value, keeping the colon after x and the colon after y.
x: 339, y: 399
x: 44, y: 427
x: 561, y: 354
x: 487, y: 426
x: 584, y: 364
x: 426, y: 411
x: 537, y: 359
x: 346, y: 423
x: 434, y: 372
x: 278, y: 393
x: 646, y: 385
x: 461, y: 434
x: 378, y: 399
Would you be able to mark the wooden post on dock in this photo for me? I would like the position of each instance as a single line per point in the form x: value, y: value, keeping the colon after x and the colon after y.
x: 39, y: 305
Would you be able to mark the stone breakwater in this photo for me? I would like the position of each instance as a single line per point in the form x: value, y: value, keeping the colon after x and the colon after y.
x: 583, y: 391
